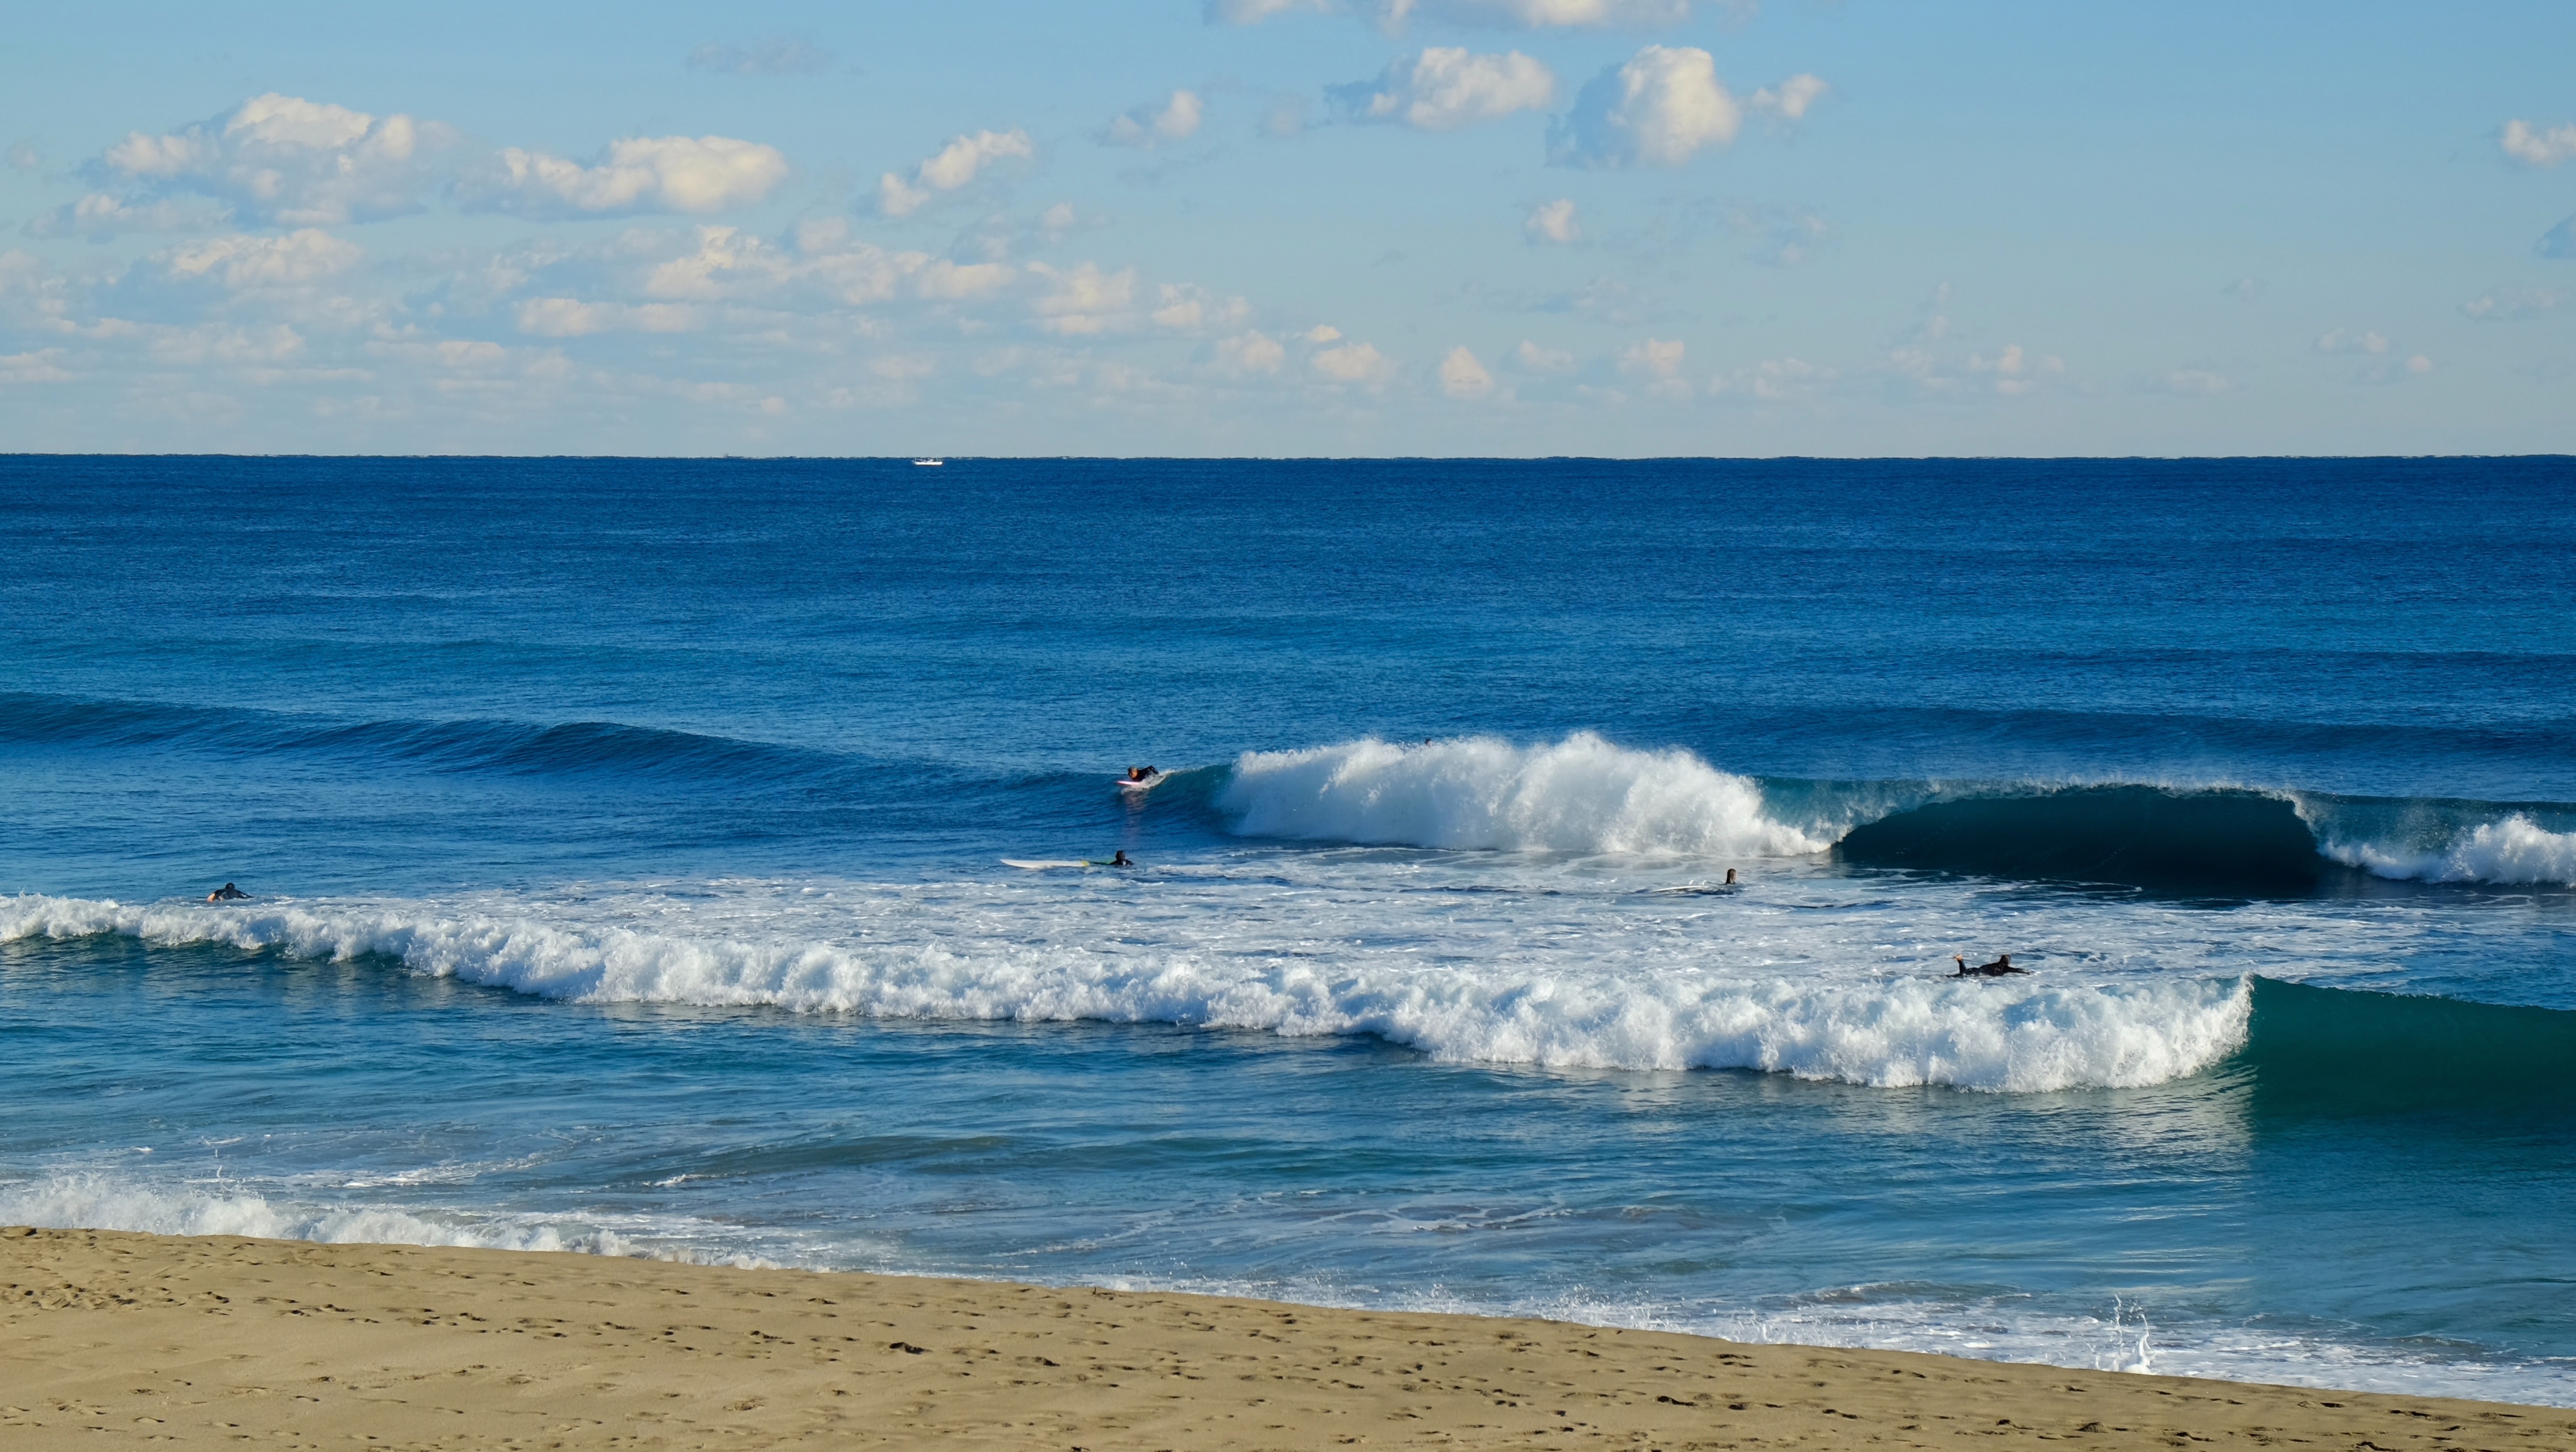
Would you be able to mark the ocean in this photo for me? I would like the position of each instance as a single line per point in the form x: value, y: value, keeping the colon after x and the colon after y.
x: 624, y: 846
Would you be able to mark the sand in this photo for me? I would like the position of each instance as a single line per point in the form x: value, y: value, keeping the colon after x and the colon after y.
x: 108, y: 1339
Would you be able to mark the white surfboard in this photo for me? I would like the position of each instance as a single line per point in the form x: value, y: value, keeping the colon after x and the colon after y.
x: 1041, y: 864
x: 1147, y: 785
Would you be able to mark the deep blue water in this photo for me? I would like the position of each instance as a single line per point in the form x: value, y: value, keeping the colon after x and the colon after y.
x: 624, y: 841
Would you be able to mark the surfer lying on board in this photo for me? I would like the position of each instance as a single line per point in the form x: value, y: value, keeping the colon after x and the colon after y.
x: 1143, y: 773
x: 226, y: 893
x: 2000, y: 968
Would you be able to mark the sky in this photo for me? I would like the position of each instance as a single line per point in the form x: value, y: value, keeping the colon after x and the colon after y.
x: 1290, y: 227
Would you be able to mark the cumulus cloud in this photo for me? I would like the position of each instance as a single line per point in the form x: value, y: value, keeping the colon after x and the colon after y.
x: 2514, y: 305
x: 949, y: 168
x: 1351, y: 363
x: 1552, y: 222
x: 1188, y: 308
x: 1083, y: 299
x: 1658, y: 109
x: 285, y: 160
x: 1447, y: 87
x: 1789, y: 100
x: 637, y: 174
x: 2529, y: 144
x: 1392, y: 15
x: 101, y: 215
x: 1463, y: 376
x: 1250, y: 353
x: 778, y: 56
x: 1774, y: 380
x: 2015, y: 370
x: 1150, y: 125
x: 1529, y: 357
x: 242, y: 261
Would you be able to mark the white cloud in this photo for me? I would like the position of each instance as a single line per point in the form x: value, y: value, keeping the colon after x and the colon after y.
x: 1323, y: 333
x: 1175, y: 120
x: 778, y: 56
x: 949, y: 168
x: 1790, y: 99
x: 2514, y: 306
x: 1447, y: 87
x: 40, y: 366
x: 1083, y: 299
x: 1777, y: 380
x: 564, y: 317
x: 285, y: 160
x: 242, y: 261
x: 1249, y: 353
x: 2419, y: 365
x: 1529, y: 357
x: 1392, y: 15
x: 1552, y: 222
x: 1653, y: 358
x: 2015, y: 370
x: 1462, y: 376
x: 1660, y: 108
x: 1188, y: 308
x: 101, y: 215
x: 2342, y: 341
x: 1352, y: 363
x: 2195, y: 383
x: 637, y: 174
x: 2525, y: 142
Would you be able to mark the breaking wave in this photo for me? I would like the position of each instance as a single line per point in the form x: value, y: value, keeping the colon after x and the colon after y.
x: 2014, y: 1036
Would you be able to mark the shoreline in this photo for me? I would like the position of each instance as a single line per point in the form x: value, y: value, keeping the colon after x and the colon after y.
x: 200, y: 1340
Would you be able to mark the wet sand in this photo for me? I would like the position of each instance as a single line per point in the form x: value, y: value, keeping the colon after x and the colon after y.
x: 108, y: 1339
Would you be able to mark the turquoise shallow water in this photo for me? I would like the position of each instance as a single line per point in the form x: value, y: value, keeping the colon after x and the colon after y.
x: 624, y: 844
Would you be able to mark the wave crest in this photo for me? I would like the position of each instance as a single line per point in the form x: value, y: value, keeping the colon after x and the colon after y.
x: 1582, y: 794
x: 2515, y: 851
x: 2006, y: 1037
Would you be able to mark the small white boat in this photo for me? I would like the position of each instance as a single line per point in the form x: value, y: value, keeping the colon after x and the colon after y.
x: 928, y: 463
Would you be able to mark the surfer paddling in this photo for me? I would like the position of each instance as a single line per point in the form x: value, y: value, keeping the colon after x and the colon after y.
x: 2002, y: 967
x: 1143, y: 773
x: 226, y: 893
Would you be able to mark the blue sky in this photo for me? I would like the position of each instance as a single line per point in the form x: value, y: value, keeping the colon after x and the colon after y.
x: 1291, y: 227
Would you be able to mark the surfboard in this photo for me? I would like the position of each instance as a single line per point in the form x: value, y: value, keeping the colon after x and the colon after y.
x: 1040, y: 864
x: 1147, y: 785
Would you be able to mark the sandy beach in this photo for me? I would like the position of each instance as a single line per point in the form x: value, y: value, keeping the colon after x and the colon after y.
x: 109, y: 1337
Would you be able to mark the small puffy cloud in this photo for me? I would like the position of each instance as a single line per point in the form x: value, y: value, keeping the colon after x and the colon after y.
x: 101, y: 215
x: 637, y: 174
x: 778, y: 56
x: 1789, y: 100
x: 1653, y: 358
x: 1150, y: 125
x: 2529, y: 144
x: 1658, y: 109
x: 1391, y: 15
x: 1552, y: 222
x: 2194, y: 383
x: 242, y: 261
x: 1447, y: 87
x: 1352, y: 363
x: 2419, y: 365
x: 2014, y: 370
x: 1463, y: 376
x: 2558, y: 241
x: 1249, y: 353
x: 1323, y: 333
x: 1083, y: 300
x: 283, y: 159
x: 2514, y: 306
x: 1774, y: 380
x: 2345, y: 341
x: 1187, y: 308
x: 1529, y: 357
x: 949, y: 168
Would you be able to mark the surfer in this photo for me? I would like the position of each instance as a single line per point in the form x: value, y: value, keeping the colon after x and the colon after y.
x: 226, y: 893
x: 1143, y: 773
x: 2002, y: 967
x: 1730, y: 877
x: 1121, y: 859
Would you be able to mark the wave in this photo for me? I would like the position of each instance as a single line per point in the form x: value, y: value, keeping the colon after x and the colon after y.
x: 2352, y: 1049
x: 1581, y: 794
x: 2011, y: 1037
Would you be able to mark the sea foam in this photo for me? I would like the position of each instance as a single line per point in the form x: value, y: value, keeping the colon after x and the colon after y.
x: 2010, y: 1036
x: 1581, y: 794
x: 2513, y: 851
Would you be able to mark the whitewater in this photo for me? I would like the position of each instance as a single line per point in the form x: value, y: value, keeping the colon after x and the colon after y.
x: 625, y: 846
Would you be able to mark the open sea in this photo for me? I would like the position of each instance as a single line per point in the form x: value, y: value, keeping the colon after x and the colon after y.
x: 624, y: 845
